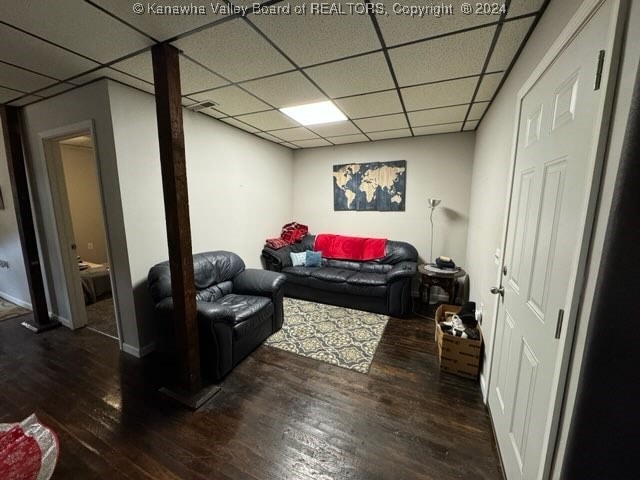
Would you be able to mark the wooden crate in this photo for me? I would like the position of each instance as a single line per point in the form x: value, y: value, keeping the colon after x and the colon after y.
x: 460, y: 356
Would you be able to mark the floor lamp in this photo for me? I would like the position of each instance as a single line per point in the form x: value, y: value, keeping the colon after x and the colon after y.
x: 433, y: 203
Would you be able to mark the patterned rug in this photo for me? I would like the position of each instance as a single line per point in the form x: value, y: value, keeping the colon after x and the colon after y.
x: 339, y: 336
x: 9, y: 310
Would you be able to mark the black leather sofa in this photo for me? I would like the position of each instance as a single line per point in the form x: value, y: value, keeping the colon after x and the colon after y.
x: 379, y: 286
x: 238, y: 308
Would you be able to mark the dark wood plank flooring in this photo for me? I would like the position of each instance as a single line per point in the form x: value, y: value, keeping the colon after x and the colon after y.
x: 279, y: 416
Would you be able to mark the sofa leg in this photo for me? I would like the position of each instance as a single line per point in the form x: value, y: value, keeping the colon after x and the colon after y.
x: 191, y: 400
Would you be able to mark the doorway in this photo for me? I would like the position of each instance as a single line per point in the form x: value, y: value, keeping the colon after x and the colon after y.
x: 560, y: 137
x: 82, y: 232
x: 79, y: 168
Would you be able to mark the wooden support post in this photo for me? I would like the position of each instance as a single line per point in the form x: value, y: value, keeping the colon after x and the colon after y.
x: 24, y: 217
x: 166, y: 74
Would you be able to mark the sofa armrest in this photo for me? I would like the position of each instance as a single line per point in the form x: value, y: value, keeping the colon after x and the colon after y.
x: 276, y: 260
x: 402, y: 269
x: 253, y: 281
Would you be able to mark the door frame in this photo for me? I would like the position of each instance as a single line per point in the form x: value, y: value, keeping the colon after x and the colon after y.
x: 49, y: 143
x: 587, y: 215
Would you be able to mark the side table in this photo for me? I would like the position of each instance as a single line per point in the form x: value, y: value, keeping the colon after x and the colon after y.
x: 446, y: 281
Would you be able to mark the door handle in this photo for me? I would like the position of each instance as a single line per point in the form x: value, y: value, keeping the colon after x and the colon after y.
x: 498, y: 291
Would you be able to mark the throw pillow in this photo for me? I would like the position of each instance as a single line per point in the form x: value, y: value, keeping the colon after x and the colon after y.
x: 313, y: 259
x: 298, y: 259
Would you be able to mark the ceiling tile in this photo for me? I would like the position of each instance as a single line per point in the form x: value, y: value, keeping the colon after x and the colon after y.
x: 140, y: 66
x: 195, y: 78
x: 243, y: 126
x: 232, y: 100
x: 471, y: 125
x: 334, y: 129
x: 434, y: 129
x: 286, y: 90
x: 387, y: 122
x: 7, y: 94
x: 13, y: 77
x: 26, y: 51
x: 440, y: 94
x: 235, y: 51
x: 477, y: 110
x: 55, y: 90
x: 348, y: 139
x: 69, y: 23
x: 488, y: 86
x: 271, y: 120
x: 25, y: 101
x: 400, y: 28
x: 290, y: 145
x: 403, y: 132
x: 161, y: 27
x: 523, y: 7
x: 318, y: 142
x: 268, y: 136
x: 369, y: 105
x: 294, y: 134
x: 443, y: 58
x: 114, y: 75
x: 210, y: 112
x: 356, y: 75
x: 438, y: 115
x: 314, y: 38
x: 511, y: 36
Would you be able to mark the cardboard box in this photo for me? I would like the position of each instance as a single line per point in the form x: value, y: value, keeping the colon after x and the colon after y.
x: 460, y: 356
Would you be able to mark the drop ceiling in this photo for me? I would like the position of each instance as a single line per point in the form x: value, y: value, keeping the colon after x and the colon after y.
x: 392, y: 75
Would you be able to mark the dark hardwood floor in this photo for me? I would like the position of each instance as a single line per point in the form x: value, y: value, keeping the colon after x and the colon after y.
x: 279, y: 416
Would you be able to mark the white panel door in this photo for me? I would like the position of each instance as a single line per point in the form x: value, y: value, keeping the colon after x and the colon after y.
x: 551, y: 186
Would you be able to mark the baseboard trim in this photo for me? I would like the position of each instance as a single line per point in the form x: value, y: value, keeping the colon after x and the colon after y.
x: 141, y: 351
x: 17, y: 301
x: 64, y: 321
x: 21, y: 303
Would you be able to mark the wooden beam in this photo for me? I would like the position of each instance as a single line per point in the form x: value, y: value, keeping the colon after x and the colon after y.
x: 166, y: 74
x: 26, y: 229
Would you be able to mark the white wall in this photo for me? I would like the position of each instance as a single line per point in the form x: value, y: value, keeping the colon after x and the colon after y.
x: 81, y: 180
x: 87, y: 104
x: 438, y: 166
x: 491, y: 165
x: 239, y: 189
x: 13, y: 280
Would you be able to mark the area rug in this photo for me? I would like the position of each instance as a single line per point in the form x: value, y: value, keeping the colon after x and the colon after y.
x: 339, y: 336
x: 9, y: 310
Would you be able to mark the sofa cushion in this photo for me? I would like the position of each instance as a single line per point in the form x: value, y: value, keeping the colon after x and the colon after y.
x: 346, y: 264
x: 314, y: 259
x: 300, y: 271
x: 215, y: 292
x: 298, y: 258
x: 331, y: 274
x: 362, y: 278
x: 245, y: 306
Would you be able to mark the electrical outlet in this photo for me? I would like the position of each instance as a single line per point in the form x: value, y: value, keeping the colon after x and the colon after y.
x: 90, y: 246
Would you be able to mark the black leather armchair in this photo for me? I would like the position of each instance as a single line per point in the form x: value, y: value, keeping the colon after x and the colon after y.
x: 237, y: 308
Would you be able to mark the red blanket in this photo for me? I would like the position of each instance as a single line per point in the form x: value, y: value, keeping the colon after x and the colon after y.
x: 349, y: 248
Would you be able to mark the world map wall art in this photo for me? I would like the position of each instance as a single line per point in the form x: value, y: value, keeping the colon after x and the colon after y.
x: 378, y: 186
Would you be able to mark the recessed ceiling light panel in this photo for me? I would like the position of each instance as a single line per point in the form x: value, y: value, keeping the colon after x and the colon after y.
x: 315, y: 113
